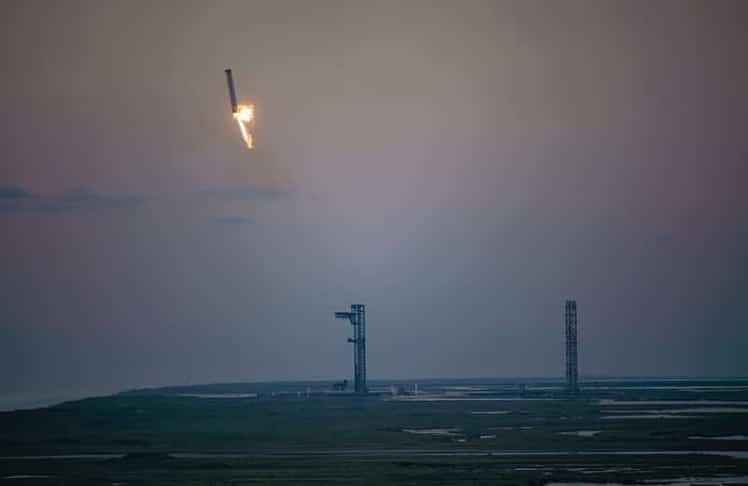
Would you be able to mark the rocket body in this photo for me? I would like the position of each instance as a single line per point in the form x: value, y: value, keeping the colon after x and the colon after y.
x: 244, y: 114
x: 232, y: 93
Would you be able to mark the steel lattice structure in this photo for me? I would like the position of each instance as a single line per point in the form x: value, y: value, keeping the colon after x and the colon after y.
x: 572, y: 372
x: 357, y: 318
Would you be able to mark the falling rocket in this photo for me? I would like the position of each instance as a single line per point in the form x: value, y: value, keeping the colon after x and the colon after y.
x: 232, y: 93
x: 243, y: 114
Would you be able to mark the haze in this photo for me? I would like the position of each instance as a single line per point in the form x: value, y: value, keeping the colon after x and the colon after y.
x: 459, y: 167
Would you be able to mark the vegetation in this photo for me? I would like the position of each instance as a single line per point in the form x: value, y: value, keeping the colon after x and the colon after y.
x: 163, y: 437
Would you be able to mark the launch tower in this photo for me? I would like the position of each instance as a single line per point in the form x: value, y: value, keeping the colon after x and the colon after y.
x: 357, y: 318
x: 572, y: 372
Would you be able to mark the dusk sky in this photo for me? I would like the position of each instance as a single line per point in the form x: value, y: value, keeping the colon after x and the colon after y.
x: 460, y: 167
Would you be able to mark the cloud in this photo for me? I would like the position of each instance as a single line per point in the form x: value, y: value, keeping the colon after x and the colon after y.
x: 88, y: 199
x: 232, y: 220
x: 247, y: 193
x: 12, y: 193
x: 15, y: 198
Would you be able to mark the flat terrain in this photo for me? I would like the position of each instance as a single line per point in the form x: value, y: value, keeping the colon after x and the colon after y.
x: 453, y: 432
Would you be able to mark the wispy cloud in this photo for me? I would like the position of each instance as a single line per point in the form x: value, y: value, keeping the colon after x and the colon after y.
x: 247, y: 193
x: 16, y: 198
x: 13, y: 193
x: 232, y: 220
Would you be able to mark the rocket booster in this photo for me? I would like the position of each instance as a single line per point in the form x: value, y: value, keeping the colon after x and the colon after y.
x: 243, y: 114
x: 232, y: 93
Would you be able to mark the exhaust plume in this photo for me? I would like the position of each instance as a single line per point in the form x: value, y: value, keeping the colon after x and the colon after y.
x: 245, y: 117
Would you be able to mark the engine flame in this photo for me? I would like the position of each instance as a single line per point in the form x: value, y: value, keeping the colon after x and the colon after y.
x: 245, y: 117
